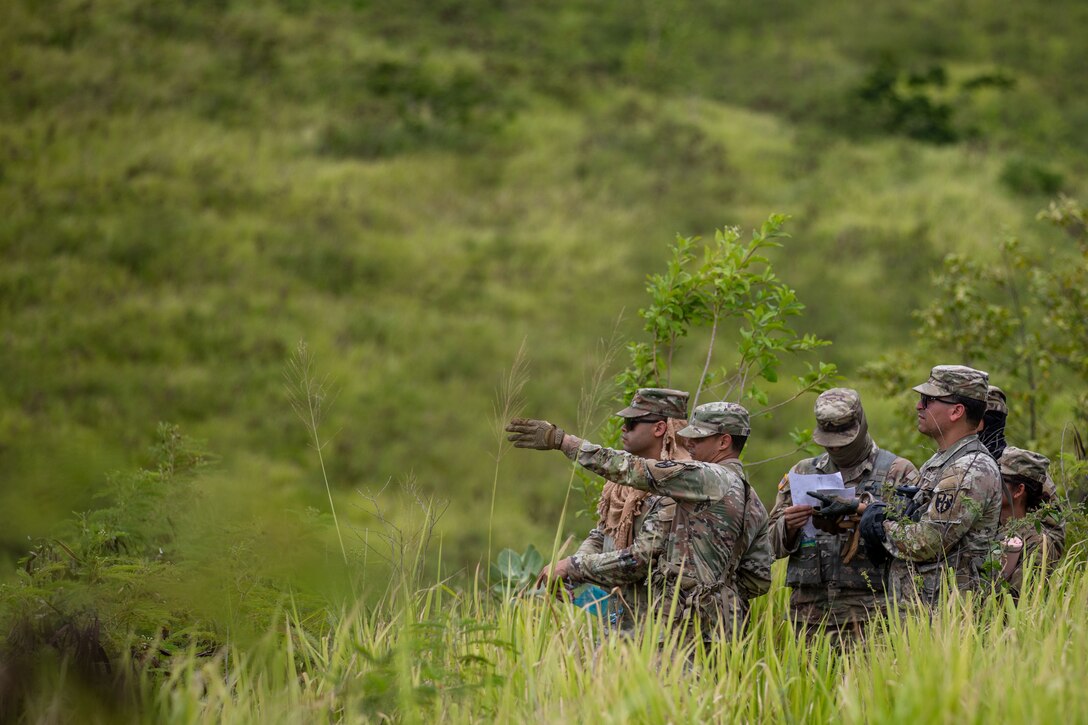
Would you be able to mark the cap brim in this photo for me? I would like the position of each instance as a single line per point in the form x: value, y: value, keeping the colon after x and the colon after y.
x: 632, y: 412
x: 838, y: 438
x: 694, y: 431
x: 928, y: 388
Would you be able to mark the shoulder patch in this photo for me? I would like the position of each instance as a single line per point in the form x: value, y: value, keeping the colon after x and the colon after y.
x: 943, y: 501
x: 666, y: 464
x: 784, y: 483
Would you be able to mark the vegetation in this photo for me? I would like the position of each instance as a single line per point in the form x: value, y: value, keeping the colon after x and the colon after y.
x: 442, y: 197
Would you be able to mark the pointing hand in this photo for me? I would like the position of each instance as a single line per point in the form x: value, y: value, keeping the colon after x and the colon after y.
x: 537, y: 434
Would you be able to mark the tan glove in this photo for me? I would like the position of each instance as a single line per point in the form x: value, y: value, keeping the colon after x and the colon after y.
x: 538, y: 434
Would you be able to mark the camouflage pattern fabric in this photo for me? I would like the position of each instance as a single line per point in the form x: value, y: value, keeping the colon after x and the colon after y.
x: 717, y: 554
x: 952, y: 521
x: 945, y: 380
x: 716, y: 418
x: 664, y: 402
x: 1019, y: 462
x: 839, y: 417
x: 996, y: 400
x: 1035, y: 467
x: 824, y: 587
x: 598, y: 560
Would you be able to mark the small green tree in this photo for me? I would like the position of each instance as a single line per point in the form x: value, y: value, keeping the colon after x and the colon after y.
x: 730, y: 286
x: 733, y: 284
x: 1022, y: 318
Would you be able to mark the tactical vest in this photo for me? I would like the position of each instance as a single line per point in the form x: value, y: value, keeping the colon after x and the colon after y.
x: 681, y: 529
x: 928, y: 575
x: 717, y: 603
x: 818, y: 560
x: 920, y: 503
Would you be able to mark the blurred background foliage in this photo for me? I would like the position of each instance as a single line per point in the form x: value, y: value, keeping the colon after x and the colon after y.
x: 417, y: 188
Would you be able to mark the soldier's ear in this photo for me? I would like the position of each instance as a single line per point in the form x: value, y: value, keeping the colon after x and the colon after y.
x: 959, y: 410
x: 661, y: 427
x: 726, y: 443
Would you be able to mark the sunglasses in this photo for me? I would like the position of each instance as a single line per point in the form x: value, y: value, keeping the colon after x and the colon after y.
x: 632, y: 423
x: 927, y: 399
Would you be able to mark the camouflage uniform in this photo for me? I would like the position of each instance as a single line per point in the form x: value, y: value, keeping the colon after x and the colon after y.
x: 831, y: 584
x: 1025, y: 540
x: 951, y: 520
x: 717, y: 552
x: 997, y: 412
x: 599, y: 560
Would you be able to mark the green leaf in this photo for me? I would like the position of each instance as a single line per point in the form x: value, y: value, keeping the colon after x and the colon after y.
x: 508, y: 563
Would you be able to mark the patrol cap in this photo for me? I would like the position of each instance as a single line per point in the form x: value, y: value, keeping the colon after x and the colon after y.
x: 961, y: 380
x: 996, y: 402
x: 711, y: 419
x: 1027, y: 464
x: 657, y: 401
x: 838, y: 417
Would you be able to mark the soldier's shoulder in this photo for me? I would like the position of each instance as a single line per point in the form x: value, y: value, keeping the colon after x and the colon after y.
x: 807, y: 466
x: 900, y: 463
x: 977, y: 463
x: 662, y: 470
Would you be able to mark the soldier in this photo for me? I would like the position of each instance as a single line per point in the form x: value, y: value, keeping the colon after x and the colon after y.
x: 992, y: 434
x: 833, y: 578
x: 1023, y: 475
x: 633, y: 525
x: 949, y: 523
x: 718, y: 554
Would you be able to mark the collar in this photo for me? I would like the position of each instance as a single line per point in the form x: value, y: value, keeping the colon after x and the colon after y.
x: 942, y: 457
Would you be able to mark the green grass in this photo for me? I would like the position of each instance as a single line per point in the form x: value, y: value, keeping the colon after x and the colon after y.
x: 452, y: 654
x: 416, y: 188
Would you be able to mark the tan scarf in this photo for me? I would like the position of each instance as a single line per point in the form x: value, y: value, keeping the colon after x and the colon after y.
x: 620, y: 505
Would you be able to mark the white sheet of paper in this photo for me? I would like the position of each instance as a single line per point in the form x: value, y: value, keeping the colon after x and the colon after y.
x: 802, y: 484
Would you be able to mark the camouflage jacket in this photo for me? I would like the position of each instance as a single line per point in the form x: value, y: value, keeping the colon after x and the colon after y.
x: 599, y: 542
x: 1026, y: 542
x: 823, y: 585
x: 949, y: 524
x: 717, y: 554
x: 599, y: 562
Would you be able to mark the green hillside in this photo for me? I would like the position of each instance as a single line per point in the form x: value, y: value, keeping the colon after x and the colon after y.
x: 416, y: 188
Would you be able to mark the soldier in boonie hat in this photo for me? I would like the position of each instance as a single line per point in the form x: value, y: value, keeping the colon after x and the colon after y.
x: 946, y: 380
x: 711, y: 419
x: 839, y: 417
x: 659, y: 402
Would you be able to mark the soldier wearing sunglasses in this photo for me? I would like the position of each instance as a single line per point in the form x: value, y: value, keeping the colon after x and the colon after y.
x: 632, y: 525
x: 718, y: 553
x: 949, y: 523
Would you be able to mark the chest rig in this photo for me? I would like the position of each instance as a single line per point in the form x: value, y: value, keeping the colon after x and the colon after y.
x: 681, y: 550
x: 930, y: 476
x: 818, y: 561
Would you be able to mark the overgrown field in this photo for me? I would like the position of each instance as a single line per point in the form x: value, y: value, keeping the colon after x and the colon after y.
x: 457, y: 205
x: 441, y: 655
x: 416, y: 188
